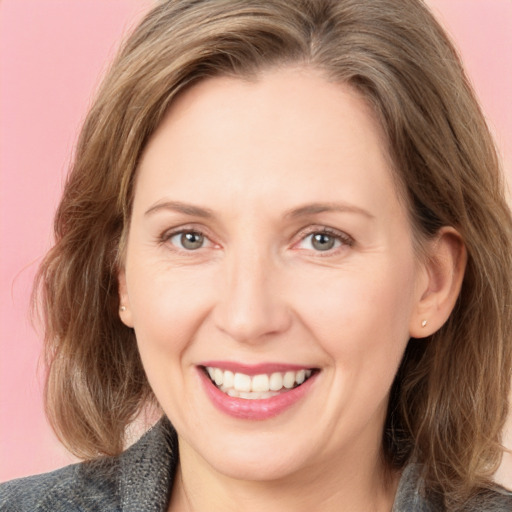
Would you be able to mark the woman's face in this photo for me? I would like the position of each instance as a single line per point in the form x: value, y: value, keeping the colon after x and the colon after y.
x: 268, y: 245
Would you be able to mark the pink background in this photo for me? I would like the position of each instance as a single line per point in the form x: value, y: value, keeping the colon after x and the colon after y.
x: 53, y: 53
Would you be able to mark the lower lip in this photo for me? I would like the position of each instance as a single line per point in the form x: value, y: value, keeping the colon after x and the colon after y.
x: 261, y: 409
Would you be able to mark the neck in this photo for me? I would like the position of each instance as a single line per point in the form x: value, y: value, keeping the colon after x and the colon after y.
x: 352, y: 486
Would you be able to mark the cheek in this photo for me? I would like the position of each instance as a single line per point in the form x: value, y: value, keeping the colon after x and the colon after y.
x: 357, y: 315
x: 167, y: 307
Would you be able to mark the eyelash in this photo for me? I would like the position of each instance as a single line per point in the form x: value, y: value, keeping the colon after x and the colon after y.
x: 341, y: 237
x: 168, y: 235
x: 344, y: 239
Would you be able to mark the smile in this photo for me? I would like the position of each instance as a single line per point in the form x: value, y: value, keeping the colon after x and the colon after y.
x: 256, y: 387
x: 256, y: 392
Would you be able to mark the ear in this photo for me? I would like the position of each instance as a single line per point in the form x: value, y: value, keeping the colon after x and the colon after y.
x: 125, y: 312
x: 444, y: 270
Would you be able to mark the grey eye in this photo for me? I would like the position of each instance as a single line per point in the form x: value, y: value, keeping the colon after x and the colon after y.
x: 322, y: 241
x: 189, y: 240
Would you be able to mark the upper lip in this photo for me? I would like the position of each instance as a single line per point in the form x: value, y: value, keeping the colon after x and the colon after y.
x: 255, y: 369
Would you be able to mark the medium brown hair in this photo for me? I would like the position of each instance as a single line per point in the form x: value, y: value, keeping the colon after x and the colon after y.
x: 448, y: 403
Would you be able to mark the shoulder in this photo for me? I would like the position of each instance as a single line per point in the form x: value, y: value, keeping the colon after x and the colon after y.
x: 87, y: 486
x: 497, y: 500
x: 138, y: 479
x: 412, y: 495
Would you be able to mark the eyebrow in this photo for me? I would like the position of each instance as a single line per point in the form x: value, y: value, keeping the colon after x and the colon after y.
x: 177, y: 206
x: 315, y: 208
x: 301, y: 211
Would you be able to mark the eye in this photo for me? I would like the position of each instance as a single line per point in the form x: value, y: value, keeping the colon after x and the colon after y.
x: 324, y: 241
x: 320, y: 242
x: 189, y: 240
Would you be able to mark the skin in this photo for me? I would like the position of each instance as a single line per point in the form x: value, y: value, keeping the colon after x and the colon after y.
x: 259, y: 291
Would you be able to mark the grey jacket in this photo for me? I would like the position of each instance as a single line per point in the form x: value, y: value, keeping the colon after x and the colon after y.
x: 140, y: 480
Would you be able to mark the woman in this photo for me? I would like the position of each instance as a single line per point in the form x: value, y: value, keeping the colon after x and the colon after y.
x: 285, y: 225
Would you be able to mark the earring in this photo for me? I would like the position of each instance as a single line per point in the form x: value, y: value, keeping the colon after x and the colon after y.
x: 122, y: 308
x: 424, y: 323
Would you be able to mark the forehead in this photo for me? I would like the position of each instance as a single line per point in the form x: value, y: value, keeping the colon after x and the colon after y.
x: 302, y: 94
x: 284, y: 128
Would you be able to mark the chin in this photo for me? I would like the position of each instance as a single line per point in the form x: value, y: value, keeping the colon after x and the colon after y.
x: 256, y: 467
x: 257, y: 456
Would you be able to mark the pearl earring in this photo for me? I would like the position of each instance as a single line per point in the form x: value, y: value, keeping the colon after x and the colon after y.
x: 424, y: 323
x: 122, y: 308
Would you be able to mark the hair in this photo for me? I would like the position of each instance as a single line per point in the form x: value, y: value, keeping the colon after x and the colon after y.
x: 448, y: 403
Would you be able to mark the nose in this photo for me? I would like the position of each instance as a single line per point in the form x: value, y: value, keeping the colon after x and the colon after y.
x: 251, y: 307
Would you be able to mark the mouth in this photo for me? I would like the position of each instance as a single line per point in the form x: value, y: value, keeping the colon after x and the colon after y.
x: 259, y: 386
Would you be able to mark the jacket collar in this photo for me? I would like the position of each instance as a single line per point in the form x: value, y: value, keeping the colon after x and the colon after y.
x: 147, y: 470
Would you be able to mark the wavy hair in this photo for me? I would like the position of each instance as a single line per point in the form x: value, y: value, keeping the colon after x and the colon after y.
x: 449, y: 402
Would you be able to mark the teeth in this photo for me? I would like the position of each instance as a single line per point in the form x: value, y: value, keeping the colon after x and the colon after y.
x: 242, y: 382
x: 260, y: 386
x: 218, y: 376
x: 300, y: 377
x: 260, y: 383
x: 248, y: 396
x: 229, y: 379
x: 276, y: 382
x: 289, y: 380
